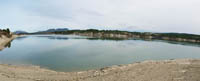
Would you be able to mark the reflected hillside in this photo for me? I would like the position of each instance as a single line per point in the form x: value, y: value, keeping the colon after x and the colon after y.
x: 21, y: 37
x: 66, y: 37
x: 8, y: 45
x: 166, y: 41
x: 54, y: 37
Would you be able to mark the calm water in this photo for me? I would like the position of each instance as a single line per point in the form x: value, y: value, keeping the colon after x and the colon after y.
x: 75, y: 53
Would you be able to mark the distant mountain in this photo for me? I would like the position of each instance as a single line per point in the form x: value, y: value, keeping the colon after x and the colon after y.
x: 20, y: 32
x: 54, y: 30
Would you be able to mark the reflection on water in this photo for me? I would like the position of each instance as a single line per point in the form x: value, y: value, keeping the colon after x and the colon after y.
x: 75, y: 53
x: 166, y: 41
x: 180, y: 43
x: 21, y: 37
x: 112, y: 39
x: 8, y: 45
x: 54, y: 37
x: 63, y: 37
x: 66, y: 37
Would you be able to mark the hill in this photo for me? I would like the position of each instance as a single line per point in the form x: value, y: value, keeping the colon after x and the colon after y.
x: 20, y: 32
x: 53, y: 30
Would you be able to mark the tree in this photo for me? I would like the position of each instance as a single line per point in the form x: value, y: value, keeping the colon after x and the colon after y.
x: 8, y: 30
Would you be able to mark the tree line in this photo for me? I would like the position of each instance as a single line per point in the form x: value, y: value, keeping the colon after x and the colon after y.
x: 5, y: 32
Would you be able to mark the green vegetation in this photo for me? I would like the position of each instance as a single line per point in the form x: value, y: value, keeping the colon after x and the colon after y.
x: 92, y: 31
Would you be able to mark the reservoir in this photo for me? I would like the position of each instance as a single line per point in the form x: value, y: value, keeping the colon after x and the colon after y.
x: 78, y: 53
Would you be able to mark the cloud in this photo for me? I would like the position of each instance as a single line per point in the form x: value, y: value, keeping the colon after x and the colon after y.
x: 132, y: 15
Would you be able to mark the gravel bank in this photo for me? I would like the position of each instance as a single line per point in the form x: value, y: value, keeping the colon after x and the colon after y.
x: 170, y: 70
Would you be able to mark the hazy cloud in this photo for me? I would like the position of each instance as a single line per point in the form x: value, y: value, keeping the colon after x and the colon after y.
x: 132, y: 15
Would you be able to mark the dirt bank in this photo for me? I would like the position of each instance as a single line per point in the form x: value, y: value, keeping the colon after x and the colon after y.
x: 5, y: 40
x: 171, y: 70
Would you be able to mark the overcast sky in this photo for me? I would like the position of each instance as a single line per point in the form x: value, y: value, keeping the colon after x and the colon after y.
x: 132, y: 15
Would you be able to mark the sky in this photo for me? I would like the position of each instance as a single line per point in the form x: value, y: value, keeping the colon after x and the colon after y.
x: 181, y: 16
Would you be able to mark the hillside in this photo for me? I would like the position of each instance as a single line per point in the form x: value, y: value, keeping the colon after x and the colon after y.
x: 52, y: 30
x: 115, y: 34
x: 20, y: 32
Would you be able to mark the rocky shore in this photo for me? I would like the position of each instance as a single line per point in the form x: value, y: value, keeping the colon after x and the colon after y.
x: 168, y: 70
x: 4, y: 40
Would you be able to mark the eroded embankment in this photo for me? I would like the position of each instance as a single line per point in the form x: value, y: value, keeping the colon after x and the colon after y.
x: 170, y: 70
x: 4, y: 40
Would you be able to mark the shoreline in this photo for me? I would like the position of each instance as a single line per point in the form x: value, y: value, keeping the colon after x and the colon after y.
x: 5, y: 40
x: 117, y: 34
x: 167, y: 70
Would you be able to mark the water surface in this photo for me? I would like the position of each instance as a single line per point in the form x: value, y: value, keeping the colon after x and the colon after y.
x: 75, y: 53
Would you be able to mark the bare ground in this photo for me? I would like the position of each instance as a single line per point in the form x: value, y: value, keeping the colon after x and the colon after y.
x: 170, y: 70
